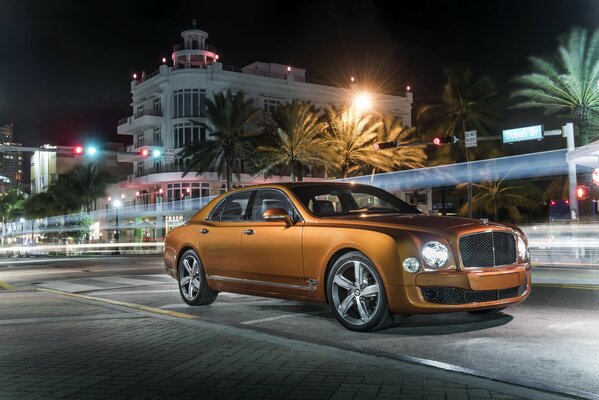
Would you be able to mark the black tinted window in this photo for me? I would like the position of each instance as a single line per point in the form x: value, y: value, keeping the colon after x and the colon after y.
x: 235, y: 206
x: 217, y: 211
x: 267, y: 199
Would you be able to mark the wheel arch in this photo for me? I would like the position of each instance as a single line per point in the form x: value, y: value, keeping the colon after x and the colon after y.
x: 340, y: 253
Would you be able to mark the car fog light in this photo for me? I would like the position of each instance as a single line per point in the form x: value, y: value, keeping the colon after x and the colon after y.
x: 411, y: 264
x: 435, y: 254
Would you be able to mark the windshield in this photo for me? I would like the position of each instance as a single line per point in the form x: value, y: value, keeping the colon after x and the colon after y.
x: 330, y: 200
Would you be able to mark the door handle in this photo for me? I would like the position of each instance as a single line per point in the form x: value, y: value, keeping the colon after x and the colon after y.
x: 248, y: 231
x: 204, y: 231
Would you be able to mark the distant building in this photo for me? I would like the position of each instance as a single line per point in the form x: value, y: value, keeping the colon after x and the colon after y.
x: 11, y: 162
x: 48, y: 166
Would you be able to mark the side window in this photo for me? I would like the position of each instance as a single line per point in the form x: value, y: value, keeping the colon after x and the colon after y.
x: 235, y: 206
x: 217, y: 211
x: 267, y: 199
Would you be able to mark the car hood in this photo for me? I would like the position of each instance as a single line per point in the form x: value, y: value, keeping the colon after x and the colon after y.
x: 418, y: 222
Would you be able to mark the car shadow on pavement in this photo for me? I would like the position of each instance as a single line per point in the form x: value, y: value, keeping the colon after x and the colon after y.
x: 416, y: 325
x: 446, y: 324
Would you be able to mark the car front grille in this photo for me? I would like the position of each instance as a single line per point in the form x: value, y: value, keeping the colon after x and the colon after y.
x: 446, y: 295
x: 487, y: 249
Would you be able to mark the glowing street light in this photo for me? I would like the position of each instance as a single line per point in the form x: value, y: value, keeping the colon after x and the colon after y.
x: 363, y: 101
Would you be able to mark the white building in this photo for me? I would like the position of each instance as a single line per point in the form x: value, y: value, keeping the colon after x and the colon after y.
x: 168, y: 112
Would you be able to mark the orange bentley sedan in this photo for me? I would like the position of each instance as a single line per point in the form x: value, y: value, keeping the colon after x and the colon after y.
x: 360, y: 249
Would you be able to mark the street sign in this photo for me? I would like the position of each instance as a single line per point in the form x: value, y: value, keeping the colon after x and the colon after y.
x: 470, y: 139
x: 554, y: 132
x: 522, y: 134
x: 169, y: 154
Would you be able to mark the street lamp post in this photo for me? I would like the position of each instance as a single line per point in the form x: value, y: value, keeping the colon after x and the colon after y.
x: 116, y: 204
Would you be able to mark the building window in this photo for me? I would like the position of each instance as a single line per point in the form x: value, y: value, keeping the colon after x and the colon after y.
x: 157, y: 134
x: 157, y: 103
x: 139, y: 111
x: 188, y: 133
x: 270, y: 105
x: 157, y: 166
x: 189, y: 103
x: 140, y: 140
x: 140, y: 169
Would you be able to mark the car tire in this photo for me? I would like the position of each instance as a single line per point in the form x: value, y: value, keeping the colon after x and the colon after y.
x: 191, y: 278
x: 358, y: 305
x: 487, y: 311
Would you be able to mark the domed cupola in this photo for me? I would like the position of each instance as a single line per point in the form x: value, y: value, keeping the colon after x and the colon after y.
x: 194, y: 52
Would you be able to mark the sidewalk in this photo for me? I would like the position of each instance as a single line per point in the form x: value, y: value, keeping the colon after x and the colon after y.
x: 52, y: 346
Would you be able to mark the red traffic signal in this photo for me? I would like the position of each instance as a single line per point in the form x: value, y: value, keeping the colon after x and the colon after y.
x: 144, y: 153
x: 78, y: 150
x: 582, y: 192
x: 385, y: 145
x: 445, y: 140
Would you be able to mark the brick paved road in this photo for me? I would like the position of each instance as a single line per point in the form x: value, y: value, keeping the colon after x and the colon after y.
x: 52, y: 346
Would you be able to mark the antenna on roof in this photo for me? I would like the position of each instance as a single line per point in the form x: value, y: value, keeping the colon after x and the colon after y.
x: 193, y: 23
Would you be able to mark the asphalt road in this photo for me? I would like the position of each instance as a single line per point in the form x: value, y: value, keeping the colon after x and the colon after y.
x: 550, y: 341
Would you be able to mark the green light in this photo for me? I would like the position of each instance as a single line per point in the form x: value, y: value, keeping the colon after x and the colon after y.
x: 156, y: 153
x: 91, y: 151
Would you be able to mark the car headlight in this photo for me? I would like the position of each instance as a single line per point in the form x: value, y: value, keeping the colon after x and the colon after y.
x: 522, y: 249
x: 435, y: 254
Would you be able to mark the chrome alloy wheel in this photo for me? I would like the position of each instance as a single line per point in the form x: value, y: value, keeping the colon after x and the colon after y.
x: 189, y: 278
x: 356, y: 292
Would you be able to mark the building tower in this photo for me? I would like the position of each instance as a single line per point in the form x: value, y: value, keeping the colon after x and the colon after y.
x: 194, y: 52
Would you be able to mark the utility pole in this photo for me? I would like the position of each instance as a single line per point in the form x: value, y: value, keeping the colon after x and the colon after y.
x: 568, y: 132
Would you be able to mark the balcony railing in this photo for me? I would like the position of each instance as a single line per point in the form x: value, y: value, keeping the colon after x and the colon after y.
x: 195, y: 46
x: 161, y: 169
x: 141, y: 113
x: 148, y: 142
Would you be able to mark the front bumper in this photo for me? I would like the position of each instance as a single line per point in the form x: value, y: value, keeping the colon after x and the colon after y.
x: 465, y: 290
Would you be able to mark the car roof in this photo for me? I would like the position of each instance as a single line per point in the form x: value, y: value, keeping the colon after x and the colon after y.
x: 298, y: 184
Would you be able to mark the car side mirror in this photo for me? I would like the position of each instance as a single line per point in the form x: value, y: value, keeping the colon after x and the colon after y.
x: 277, y: 214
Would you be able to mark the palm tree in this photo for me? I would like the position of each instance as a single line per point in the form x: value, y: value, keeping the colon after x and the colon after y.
x: 11, y: 207
x: 495, y: 196
x: 228, y: 114
x: 88, y: 182
x: 351, y: 136
x: 403, y: 157
x: 467, y: 103
x: 566, y: 82
x: 296, y: 132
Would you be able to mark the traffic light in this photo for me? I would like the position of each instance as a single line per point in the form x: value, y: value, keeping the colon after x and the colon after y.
x: 445, y: 140
x: 385, y: 145
x: 145, y: 153
x: 582, y: 192
x: 78, y: 150
x: 91, y: 151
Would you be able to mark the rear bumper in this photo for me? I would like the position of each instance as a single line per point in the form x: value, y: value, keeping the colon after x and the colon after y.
x: 454, y: 291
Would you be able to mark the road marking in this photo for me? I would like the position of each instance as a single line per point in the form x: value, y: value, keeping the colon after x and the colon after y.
x: 65, y: 286
x: 586, y: 287
x: 6, y: 286
x: 133, y: 306
x: 127, y: 281
x: 257, y: 321
x: 117, y: 292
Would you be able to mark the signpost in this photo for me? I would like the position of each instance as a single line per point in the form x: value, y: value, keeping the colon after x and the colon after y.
x: 521, y: 134
x: 169, y: 154
x: 470, y: 139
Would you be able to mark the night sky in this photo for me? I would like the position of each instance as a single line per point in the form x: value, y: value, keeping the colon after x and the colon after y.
x: 66, y: 65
